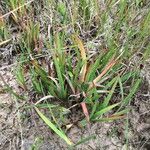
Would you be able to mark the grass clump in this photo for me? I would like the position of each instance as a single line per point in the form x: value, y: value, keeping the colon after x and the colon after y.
x: 64, y: 72
x: 70, y: 74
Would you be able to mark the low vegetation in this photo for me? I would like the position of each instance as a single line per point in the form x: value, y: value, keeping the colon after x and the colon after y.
x: 76, y: 55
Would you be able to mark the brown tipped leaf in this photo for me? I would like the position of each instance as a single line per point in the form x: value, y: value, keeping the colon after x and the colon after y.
x: 83, y: 56
x: 109, y: 66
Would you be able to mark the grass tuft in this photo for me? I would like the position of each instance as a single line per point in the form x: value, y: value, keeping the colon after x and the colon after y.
x: 57, y: 64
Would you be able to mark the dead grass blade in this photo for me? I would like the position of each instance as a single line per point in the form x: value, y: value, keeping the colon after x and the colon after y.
x: 80, y: 46
x: 110, y: 65
x: 85, y: 111
x: 44, y: 98
x: 83, y: 56
x: 4, y: 42
x: 14, y: 10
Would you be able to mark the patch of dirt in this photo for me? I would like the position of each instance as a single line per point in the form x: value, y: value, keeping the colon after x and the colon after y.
x: 9, y: 125
x: 19, y: 133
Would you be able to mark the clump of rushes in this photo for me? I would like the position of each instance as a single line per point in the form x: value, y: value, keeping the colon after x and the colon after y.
x: 72, y: 79
x: 29, y: 42
x: 19, y: 5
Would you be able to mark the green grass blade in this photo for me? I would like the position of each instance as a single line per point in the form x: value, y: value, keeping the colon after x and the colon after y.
x: 92, y: 73
x: 53, y: 127
x: 105, y: 110
x: 20, y: 76
x: 133, y: 90
x: 60, y: 76
x: 107, y: 99
x: 122, y: 112
x: 94, y: 109
x: 85, y: 140
x: 121, y: 88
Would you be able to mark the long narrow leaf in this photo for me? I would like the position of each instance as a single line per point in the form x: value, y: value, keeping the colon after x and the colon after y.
x: 85, y: 140
x: 110, y: 65
x: 83, y: 56
x: 105, y: 110
x: 107, y: 99
x: 132, y: 92
x: 53, y: 127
